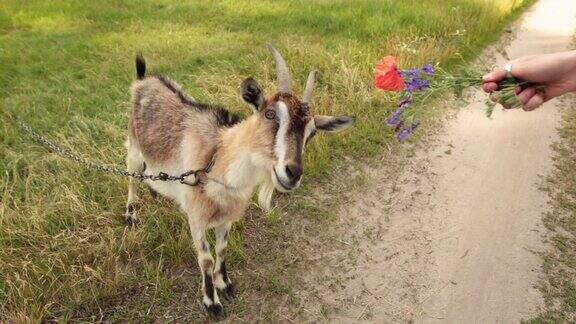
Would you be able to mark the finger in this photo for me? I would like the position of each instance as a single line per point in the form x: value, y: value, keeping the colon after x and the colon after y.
x: 525, y: 95
x: 490, y: 87
x: 495, y: 76
x: 536, y: 101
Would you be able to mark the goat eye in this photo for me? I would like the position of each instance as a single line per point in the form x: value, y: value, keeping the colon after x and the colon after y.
x: 270, y: 114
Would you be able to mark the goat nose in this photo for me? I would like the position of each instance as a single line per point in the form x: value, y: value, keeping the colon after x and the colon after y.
x: 294, y: 171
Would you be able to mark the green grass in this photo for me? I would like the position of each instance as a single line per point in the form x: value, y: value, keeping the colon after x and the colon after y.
x: 559, y: 284
x: 66, y: 67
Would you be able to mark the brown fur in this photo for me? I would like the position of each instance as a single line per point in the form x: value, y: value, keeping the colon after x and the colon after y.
x: 158, y: 119
x: 162, y: 113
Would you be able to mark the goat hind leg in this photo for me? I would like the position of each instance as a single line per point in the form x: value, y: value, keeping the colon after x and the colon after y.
x: 134, y: 163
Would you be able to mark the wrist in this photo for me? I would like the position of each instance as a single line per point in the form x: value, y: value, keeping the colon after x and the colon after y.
x: 569, y: 65
x: 569, y: 61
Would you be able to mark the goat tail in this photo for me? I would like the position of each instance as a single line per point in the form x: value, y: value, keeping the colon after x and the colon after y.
x: 140, y: 66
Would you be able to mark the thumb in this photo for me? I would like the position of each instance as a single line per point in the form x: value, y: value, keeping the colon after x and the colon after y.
x: 495, y: 76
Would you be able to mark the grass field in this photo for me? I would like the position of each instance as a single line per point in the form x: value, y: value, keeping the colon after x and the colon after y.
x: 65, y: 68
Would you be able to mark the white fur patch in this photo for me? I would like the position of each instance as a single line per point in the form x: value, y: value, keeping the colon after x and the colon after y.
x: 280, y: 145
x: 172, y: 190
x: 239, y: 172
x: 219, y: 281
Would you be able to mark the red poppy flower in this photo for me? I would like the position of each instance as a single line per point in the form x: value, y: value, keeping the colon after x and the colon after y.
x: 386, y: 75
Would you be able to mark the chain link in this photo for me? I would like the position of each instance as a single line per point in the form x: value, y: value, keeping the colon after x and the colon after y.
x: 114, y: 170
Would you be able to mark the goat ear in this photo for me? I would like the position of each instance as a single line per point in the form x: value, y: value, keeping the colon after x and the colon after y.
x: 333, y: 124
x: 252, y: 93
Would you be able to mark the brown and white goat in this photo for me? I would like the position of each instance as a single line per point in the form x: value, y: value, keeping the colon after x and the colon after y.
x: 169, y: 132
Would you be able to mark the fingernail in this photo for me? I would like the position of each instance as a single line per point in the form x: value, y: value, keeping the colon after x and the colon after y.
x: 530, y: 107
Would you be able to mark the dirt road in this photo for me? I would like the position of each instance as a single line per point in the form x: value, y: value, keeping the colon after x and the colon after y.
x: 459, y: 244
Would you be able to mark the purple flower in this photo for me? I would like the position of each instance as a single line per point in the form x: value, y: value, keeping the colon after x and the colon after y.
x: 423, y: 85
x: 410, y: 74
x: 411, y: 86
x: 406, y: 131
x: 396, y: 117
x: 414, y: 73
x: 405, y: 102
x: 413, y: 78
x: 428, y: 69
x: 417, y: 85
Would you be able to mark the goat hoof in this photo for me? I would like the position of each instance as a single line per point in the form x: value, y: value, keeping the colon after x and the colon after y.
x: 130, y: 219
x: 215, y: 311
x: 227, y: 293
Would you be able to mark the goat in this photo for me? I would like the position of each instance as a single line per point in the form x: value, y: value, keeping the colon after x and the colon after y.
x: 170, y: 132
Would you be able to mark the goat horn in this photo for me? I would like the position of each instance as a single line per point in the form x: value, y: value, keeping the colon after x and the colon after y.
x: 281, y: 71
x: 307, y: 97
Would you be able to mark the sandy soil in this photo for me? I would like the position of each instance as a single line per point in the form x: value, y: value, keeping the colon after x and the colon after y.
x: 453, y: 239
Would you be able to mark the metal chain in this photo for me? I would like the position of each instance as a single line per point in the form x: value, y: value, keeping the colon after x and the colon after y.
x: 162, y: 176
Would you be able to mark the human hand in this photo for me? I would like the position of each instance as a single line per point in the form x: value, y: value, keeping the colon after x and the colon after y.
x: 551, y: 75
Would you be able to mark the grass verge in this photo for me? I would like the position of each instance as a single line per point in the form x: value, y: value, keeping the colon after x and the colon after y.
x: 66, y: 67
x: 559, y: 283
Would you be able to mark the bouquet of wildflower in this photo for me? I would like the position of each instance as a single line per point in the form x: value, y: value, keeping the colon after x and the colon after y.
x: 418, y: 84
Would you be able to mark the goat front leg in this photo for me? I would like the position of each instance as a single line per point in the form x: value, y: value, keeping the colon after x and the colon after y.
x: 221, y: 279
x: 206, y: 262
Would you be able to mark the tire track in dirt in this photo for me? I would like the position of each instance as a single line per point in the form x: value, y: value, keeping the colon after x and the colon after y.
x: 453, y: 238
